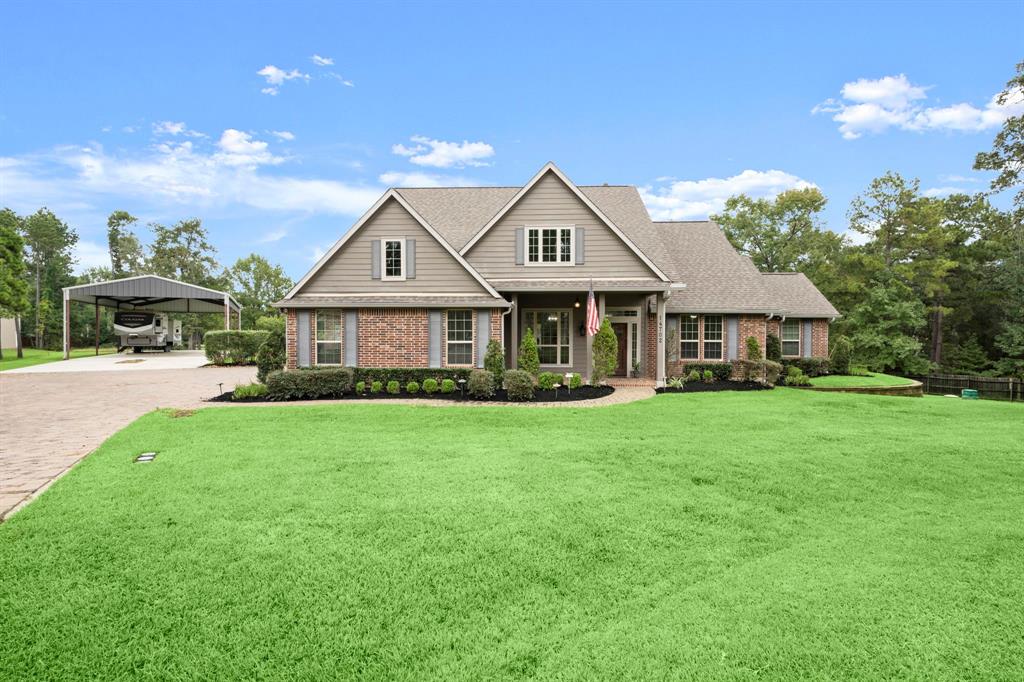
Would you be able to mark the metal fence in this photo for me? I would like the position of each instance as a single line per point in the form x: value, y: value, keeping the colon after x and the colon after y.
x: 992, y: 388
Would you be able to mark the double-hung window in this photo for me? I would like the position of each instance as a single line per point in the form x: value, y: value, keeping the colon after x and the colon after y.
x: 328, y: 337
x: 712, y: 337
x: 393, y: 259
x: 460, y: 337
x: 689, y: 338
x: 551, y: 330
x: 791, y: 338
x: 550, y: 246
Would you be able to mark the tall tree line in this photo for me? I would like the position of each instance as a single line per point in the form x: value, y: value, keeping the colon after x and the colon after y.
x: 932, y: 283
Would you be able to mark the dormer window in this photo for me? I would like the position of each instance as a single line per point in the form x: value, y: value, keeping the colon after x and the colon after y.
x: 550, y: 246
x: 393, y: 259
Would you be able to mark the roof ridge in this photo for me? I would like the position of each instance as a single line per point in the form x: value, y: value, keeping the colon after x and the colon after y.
x: 464, y: 187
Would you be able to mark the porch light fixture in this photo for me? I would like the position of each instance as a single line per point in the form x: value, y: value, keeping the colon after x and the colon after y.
x: 568, y: 382
x: 576, y: 303
x: 693, y: 317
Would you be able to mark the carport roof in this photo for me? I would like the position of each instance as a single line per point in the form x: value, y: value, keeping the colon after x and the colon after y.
x: 152, y: 292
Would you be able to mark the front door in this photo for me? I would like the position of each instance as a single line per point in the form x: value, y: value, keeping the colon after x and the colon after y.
x: 621, y: 330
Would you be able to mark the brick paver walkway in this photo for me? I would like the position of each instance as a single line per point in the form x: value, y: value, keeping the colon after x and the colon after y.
x: 49, y: 421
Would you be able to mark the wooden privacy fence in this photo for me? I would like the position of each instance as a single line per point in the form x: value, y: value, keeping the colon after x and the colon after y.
x: 993, y: 388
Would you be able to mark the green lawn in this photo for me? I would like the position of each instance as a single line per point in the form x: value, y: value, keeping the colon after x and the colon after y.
x: 34, y: 356
x: 838, y: 380
x: 745, y: 536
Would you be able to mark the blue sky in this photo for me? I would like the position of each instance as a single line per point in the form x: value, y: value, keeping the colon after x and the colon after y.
x: 279, y: 124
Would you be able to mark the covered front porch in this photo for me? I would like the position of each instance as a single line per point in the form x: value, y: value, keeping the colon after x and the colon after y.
x: 557, y: 317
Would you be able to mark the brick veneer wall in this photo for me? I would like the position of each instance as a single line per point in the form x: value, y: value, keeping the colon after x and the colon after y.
x: 290, y: 340
x: 650, y: 359
x: 393, y: 337
x: 751, y: 325
x: 819, y: 343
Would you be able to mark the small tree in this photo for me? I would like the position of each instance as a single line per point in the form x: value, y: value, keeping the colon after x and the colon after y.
x: 13, y: 287
x: 773, y: 348
x: 606, y: 353
x: 842, y: 349
x: 270, y: 357
x: 494, y: 361
x: 529, y: 360
x: 753, y: 348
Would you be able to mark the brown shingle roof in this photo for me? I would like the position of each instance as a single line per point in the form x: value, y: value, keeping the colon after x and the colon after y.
x: 797, y: 295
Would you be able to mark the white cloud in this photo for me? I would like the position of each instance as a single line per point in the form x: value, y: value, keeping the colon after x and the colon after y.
x: 322, y: 61
x: 275, y: 77
x: 318, y: 253
x: 344, y: 81
x: 856, y: 238
x: 874, y: 106
x: 418, y: 179
x: 128, y: 129
x: 273, y: 236
x: 944, y: 191
x: 958, y: 178
x: 233, y: 172
x: 697, y: 199
x: 440, y: 154
x: 90, y: 255
x: 283, y: 135
x: 174, y: 128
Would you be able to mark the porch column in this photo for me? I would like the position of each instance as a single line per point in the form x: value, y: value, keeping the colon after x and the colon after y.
x: 514, y: 350
x: 659, y: 377
x: 67, y: 325
x: 600, y: 307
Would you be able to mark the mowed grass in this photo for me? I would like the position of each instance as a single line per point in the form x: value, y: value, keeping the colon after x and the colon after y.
x: 34, y: 356
x: 841, y: 380
x: 747, y: 536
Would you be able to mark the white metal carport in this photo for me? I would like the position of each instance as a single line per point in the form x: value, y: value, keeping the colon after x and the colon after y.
x: 147, y: 292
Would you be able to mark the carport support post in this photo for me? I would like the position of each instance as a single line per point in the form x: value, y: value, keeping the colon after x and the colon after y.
x: 227, y: 313
x: 67, y: 324
x: 97, y: 304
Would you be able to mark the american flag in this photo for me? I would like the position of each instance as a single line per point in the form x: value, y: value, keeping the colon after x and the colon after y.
x: 593, y: 324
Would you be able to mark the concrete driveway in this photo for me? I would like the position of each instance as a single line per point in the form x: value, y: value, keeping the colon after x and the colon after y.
x: 119, y: 362
x: 51, y: 418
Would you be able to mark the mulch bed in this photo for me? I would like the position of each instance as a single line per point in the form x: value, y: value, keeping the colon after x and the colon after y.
x: 539, y: 396
x: 701, y: 387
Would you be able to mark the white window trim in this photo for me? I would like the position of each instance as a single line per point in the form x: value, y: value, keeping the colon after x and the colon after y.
x: 704, y: 340
x: 384, y: 259
x: 472, y: 341
x: 316, y: 341
x: 783, y: 341
x: 699, y: 340
x: 526, y: 245
x: 535, y: 334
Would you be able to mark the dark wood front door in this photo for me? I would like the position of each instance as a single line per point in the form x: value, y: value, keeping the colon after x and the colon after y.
x: 621, y: 329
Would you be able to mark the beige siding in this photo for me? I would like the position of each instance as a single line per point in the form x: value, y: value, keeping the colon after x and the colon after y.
x: 348, y: 272
x: 551, y: 202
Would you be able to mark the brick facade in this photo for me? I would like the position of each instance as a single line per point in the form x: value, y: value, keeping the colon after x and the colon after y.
x: 751, y: 325
x: 650, y: 358
x: 291, y: 339
x: 819, y: 342
x: 393, y: 337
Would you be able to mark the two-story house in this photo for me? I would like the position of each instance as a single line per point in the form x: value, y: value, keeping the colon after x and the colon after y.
x: 429, y: 275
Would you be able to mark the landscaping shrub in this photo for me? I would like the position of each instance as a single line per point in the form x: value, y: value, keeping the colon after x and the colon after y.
x: 249, y: 391
x: 519, y: 385
x: 547, y: 380
x: 576, y: 380
x: 271, y: 323
x: 404, y: 375
x: 233, y: 347
x: 376, y: 387
x: 394, y: 387
x: 694, y: 375
x: 773, y: 348
x: 480, y: 384
x: 447, y: 386
x: 812, y: 367
x: 796, y: 377
x: 753, y: 348
x: 606, y: 353
x: 772, y: 370
x: 676, y: 382
x: 709, y: 376
x: 745, y: 369
x: 270, y: 356
x: 430, y: 386
x: 309, y: 384
x: 721, y: 370
x: 842, y: 350
x: 494, y: 360
x: 529, y: 360
x: 360, y: 387
x: 412, y: 387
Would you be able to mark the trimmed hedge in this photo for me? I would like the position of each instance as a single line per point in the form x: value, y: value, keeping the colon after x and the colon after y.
x: 721, y: 370
x: 233, y: 347
x: 309, y: 384
x: 773, y: 348
x: 403, y: 375
x: 519, y: 385
x: 812, y: 367
x: 480, y: 384
x: 271, y: 355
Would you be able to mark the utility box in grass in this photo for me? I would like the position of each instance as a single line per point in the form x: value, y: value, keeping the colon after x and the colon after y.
x: 969, y: 393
